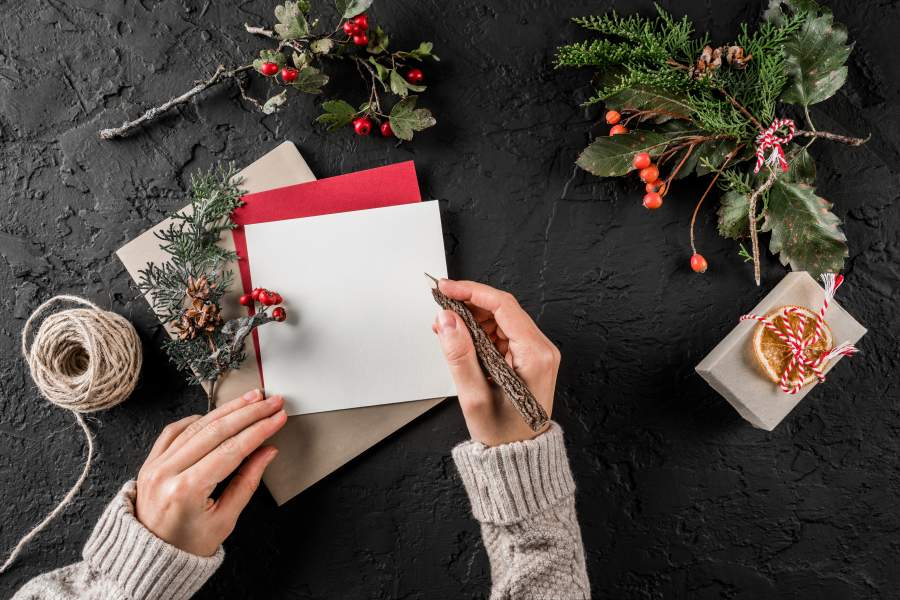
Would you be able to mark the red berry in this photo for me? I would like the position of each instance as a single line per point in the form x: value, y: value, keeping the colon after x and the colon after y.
x: 361, y: 39
x: 641, y: 160
x: 255, y: 293
x: 415, y: 76
x: 276, y: 298
x: 612, y: 117
x: 361, y: 22
x: 279, y: 314
x: 650, y: 173
x: 362, y: 125
x: 268, y: 69
x: 698, y: 263
x: 289, y: 74
x: 658, y: 186
x: 386, y: 130
x: 264, y: 298
x: 246, y: 300
x: 652, y: 200
x: 617, y: 130
x: 350, y: 27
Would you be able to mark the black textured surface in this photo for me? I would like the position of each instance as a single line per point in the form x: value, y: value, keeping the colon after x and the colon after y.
x: 678, y: 497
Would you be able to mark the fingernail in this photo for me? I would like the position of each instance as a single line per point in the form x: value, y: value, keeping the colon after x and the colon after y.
x: 274, y: 400
x: 273, y: 452
x: 277, y: 416
x: 446, y: 321
x: 252, y: 395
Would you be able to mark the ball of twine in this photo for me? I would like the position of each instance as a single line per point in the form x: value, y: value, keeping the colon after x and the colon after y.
x: 82, y: 360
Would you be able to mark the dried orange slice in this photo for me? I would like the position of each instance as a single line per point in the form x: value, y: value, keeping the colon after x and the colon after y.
x: 773, y: 355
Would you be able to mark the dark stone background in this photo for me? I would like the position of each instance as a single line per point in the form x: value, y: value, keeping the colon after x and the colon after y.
x: 679, y: 498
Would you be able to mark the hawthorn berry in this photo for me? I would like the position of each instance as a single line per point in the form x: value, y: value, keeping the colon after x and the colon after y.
x: 649, y: 174
x: 264, y: 298
x: 618, y: 130
x: 246, y: 300
x: 386, y: 130
x: 361, y: 39
x: 698, y: 263
x: 255, y: 293
x: 613, y: 117
x: 362, y: 125
x: 641, y: 160
x: 652, y: 200
x: 415, y: 76
x: 350, y: 27
x: 279, y: 314
x: 268, y: 68
x: 658, y: 186
x: 289, y: 74
x: 276, y: 298
x: 361, y: 22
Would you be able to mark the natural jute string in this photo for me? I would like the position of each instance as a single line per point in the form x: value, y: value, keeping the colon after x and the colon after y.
x: 83, y: 360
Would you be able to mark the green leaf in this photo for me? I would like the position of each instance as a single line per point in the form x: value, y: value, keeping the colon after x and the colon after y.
x: 611, y: 156
x: 420, y: 53
x: 406, y: 118
x: 292, y: 23
x: 302, y: 59
x: 337, y: 114
x: 805, y: 233
x: 351, y: 8
x: 274, y: 102
x: 713, y: 153
x: 401, y: 86
x: 310, y: 80
x: 662, y: 104
x: 383, y: 73
x: 378, y: 41
x: 802, y: 169
x: 322, y: 45
x: 815, y: 55
x: 734, y: 215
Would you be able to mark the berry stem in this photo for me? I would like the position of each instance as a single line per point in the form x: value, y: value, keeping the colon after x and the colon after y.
x: 674, y: 172
x: 706, y: 193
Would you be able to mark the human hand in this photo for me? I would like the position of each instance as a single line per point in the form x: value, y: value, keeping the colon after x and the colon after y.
x: 490, y: 417
x: 191, y: 457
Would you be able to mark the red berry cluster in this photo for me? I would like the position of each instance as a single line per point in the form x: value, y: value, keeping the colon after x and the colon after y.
x: 356, y: 29
x: 288, y: 74
x: 363, y: 125
x: 266, y: 298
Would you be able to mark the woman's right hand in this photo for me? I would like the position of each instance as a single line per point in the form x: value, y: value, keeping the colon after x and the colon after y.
x: 490, y: 417
x: 192, y: 456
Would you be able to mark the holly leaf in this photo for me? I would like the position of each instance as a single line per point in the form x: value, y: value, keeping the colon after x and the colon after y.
x: 815, y: 54
x: 274, y: 102
x: 351, y: 8
x: 734, y: 215
x: 378, y: 41
x: 611, y: 156
x: 292, y: 23
x: 805, y: 233
x: 401, y: 86
x: 337, y: 114
x: 661, y: 105
x: 405, y: 118
x: 310, y: 80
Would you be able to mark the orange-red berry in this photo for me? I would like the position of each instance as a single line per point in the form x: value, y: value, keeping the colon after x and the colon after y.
x: 641, y: 160
x: 613, y: 117
x: 649, y: 174
x: 652, y: 200
x: 698, y: 263
x: 617, y: 130
x: 658, y: 186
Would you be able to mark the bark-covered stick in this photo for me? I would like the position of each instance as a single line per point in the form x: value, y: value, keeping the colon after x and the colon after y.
x: 494, y: 364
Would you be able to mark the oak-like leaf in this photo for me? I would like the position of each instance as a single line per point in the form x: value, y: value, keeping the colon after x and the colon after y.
x: 406, y: 119
x: 292, y: 23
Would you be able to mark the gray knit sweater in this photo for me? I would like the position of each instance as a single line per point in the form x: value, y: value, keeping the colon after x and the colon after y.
x: 521, y: 493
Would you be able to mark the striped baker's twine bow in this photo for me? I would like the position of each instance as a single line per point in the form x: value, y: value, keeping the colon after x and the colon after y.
x: 799, y: 347
x: 770, y: 139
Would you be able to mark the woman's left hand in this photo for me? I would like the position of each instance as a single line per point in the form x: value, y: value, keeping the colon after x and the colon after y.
x: 192, y: 456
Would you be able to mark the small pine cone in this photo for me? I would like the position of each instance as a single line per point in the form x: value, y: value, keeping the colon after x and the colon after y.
x: 198, y: 289
x: 735, y: 57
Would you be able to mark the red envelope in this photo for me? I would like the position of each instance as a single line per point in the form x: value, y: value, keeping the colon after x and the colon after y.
x: 374, y: 188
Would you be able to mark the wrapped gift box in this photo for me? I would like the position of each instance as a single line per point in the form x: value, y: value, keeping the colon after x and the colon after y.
x: 733, y: 370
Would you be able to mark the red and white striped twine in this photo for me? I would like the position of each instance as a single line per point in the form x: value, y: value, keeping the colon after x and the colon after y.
x: 800, y: 361
x: 770, y: 139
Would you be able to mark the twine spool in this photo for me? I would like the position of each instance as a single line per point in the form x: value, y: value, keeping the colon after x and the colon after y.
x: 82, y: 360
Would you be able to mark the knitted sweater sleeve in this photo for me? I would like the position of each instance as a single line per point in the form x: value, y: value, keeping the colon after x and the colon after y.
x: 124, y: 561
x: 523, y: 495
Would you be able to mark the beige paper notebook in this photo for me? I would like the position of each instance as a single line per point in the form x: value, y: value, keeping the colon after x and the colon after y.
x: 310, y: 446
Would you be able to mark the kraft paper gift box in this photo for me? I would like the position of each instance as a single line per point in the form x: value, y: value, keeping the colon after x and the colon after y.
x: 732, y: 368
x: 310, y: 446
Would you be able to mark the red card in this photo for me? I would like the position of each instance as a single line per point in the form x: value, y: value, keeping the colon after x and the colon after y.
x: 374, y: 188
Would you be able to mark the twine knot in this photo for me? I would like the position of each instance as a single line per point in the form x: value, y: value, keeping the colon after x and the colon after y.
x: 769, y: 139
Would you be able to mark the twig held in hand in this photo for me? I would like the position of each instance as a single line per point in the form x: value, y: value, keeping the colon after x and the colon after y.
x: 494, y: 364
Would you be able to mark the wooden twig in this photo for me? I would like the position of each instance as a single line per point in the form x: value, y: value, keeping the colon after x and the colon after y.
x: 221, y: 74
x: 255, y: 30
x: 751, y: 214
x: 494, y: 364
x: 834, y: 137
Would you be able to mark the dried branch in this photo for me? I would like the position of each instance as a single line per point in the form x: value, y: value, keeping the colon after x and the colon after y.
x: 754, y: 235
x: 834, y: 137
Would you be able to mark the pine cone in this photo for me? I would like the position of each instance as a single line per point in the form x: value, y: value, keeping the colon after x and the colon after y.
x: 708, y: 63
x: 202, y: 316
x: 735, y: 57
x: 198, y: 288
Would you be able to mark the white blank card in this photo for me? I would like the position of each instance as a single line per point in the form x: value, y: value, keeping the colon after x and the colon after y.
x: 359, y: 307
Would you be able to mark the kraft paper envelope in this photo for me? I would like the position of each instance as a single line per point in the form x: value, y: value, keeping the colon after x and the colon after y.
x: 310, y: 446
